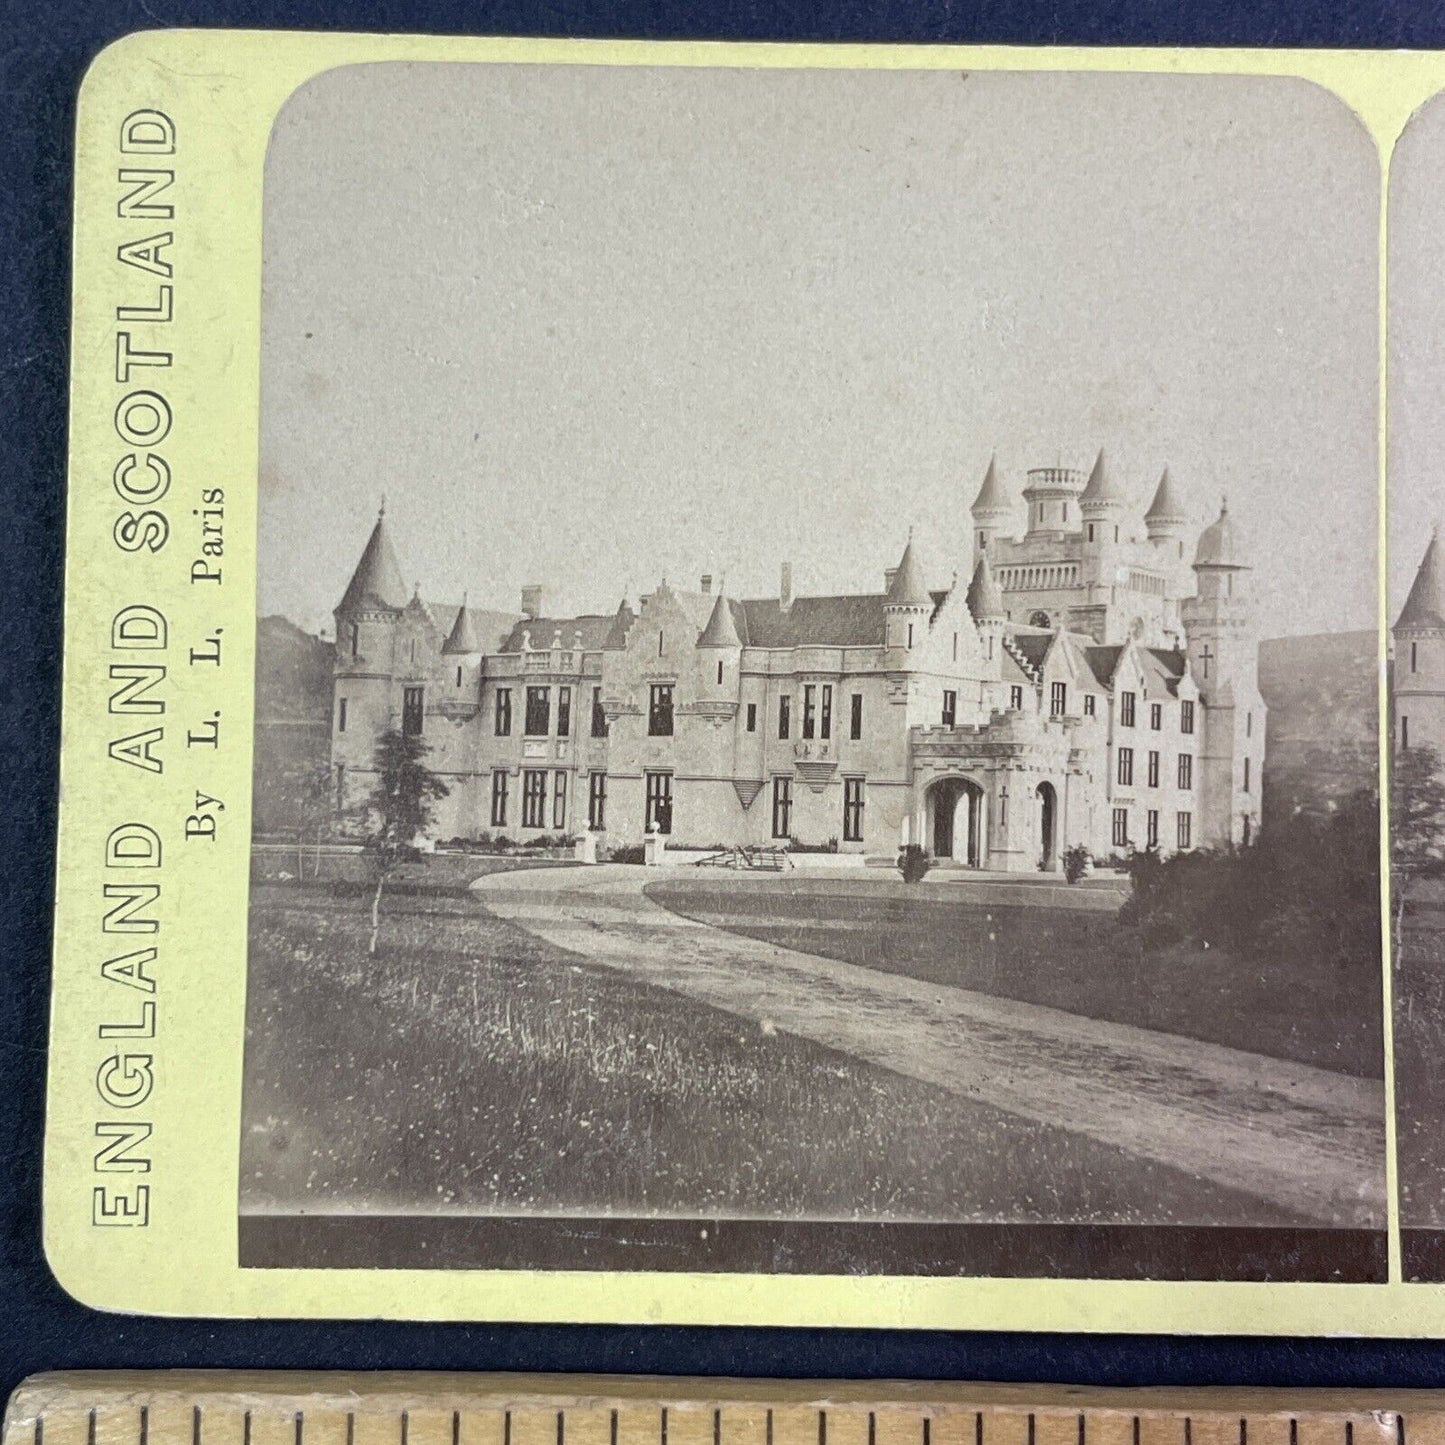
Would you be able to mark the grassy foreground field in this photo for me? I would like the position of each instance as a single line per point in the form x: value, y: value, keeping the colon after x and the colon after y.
x: 469, y: 1066
x: 1080, y: 962
x: 1419, y: 1004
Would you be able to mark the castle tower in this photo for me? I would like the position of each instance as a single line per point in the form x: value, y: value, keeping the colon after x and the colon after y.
x: 907, y: 605
x: 1167, y: 518
x: 1101, y: 508
x: 992, y: 509
x: 985, y: 603
x: 1223, y: 653
x: 1052, y: 495
x: 461, y: 658
x: 367, y: 618
x: 720, y: 649
x: 1419, y: 674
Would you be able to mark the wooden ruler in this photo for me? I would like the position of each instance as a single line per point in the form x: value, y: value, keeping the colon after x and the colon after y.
x: 184, y: 1408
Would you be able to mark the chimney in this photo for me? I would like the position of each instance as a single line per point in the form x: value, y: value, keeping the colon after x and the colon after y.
x: 785, y: 587
x: 532, y: 600
x: 707, y: 584
x: 889, y: 573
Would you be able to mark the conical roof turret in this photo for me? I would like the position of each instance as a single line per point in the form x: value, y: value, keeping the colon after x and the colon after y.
x: 721, y: 630
x: 616, y: 638
x: 1424, y: 608
x: 377, y: 581
x: 1166, y: 507
x: 984, y: 597
x: 991, y: 496
x: 463, y: 636
x: 1100, y: 490
x: 908, y: 588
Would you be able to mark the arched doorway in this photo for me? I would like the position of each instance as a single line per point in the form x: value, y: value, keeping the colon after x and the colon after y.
x: 1048, y: 826
x: 956, y: 820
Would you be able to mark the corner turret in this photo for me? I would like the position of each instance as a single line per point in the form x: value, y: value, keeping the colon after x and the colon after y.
x: 1419, y: 677
x: 908, y: 604
x: 992, y: 509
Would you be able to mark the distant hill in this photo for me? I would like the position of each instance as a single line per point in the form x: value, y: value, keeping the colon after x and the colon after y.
x: 293, y: 720
x: 1323, y: 737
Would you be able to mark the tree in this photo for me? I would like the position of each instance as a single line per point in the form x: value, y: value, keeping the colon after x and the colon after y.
x: 311, y: 792
x: 398, y: 810
x: 1417, y: 824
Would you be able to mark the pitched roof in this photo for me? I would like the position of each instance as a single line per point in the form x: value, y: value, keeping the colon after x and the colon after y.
x: 594, y: 630
x: 721, y: 629
x: 377, y: 580
x: 1166, y: 505
x: 984, y: 597
x: 991, y: 496
x: 1162, y: 665
x: 1101, y: 486
x: 856, y: 621
x: 1425, y: 606
x: 1104, y: 662
x: 1033, y: 647
x: 908, y: 589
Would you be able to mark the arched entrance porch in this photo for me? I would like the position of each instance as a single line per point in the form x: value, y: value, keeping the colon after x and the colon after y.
x: 954, y: 815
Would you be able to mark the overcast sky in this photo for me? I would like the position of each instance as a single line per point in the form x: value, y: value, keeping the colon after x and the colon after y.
x: 1417, y: 343
x: 592, y: 326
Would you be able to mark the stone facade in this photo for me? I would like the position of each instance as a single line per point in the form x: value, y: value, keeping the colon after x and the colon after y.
x: 1090, y: 685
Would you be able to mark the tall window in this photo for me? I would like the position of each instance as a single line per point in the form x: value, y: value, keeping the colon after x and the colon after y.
x: 658, y: 815
x: 1016, y: 698
x: 341, y: 715
x: 1088, y: 704
x: 459, y: 674
x: 1246, y: 775
x: 785, y: 716
x: 1058, y: 698
x: 809, y: 708
x: 1151, y: 828
x: 1153, y: 769
x: 782, y: 807
x: 852, y: 810
x: 1121, y: 828
x: 1414, y: 657
x: 534, y: 798
x: 354, y: 635
x: 1126, y: 709
x: 411, y: 711
x: 825, y: 718
x: 1249, y: 724
x: 1186, y: 770
x: 1186, y: 716
x: 599, y: 714
x: 597, y: 801
x: 950, y: 707
x: 499, y: 799
x: 752, y: 717
x: 719, y: 672
x: 855, y: 717
x: 564, y: 712
x: 559, y: 799
x: 659, y: 710
x: 539, y: 712
x: 1404, y: 733
x: 1184, y: 830
x: 1126, y: 767
x: 504, y: 712
x: 1156, y: 716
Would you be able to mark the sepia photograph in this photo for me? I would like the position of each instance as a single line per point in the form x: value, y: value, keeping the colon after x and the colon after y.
x: 1416, y: 442
x: 817, y: 688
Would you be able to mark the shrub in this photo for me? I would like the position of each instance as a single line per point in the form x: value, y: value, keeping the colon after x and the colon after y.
x: 831, y: 846
x: 914, y: 863
x: 627, y: 853
x: 1076, y: 862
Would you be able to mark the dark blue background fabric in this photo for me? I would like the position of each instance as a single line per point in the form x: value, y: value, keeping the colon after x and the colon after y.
x: 44, y: 49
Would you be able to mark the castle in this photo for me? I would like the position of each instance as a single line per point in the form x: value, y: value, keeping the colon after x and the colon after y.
x: 1094, y: 683
x: 1417, y: 693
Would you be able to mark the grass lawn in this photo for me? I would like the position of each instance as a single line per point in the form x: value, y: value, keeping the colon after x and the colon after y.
x: 470, y: 1066
x: 1082, y: 962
